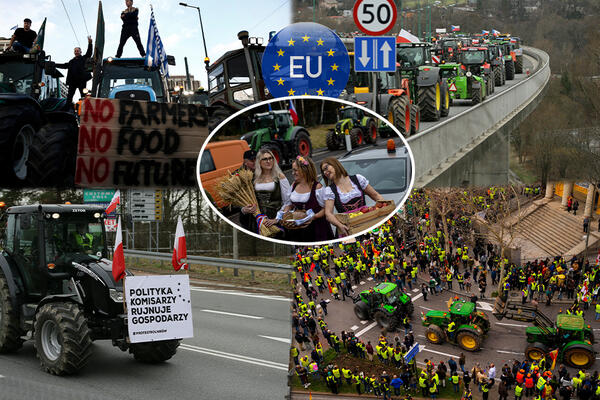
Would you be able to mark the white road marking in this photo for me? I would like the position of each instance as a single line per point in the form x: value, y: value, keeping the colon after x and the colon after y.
x: 354, y: 327
x: 597, y: 329
x: 438, y: 352
x: 354, y: 287
x: 370, y: 278
x: 420, y: 335
x: 1, y: 376
x: 256, y: 296
x: 363, y: 322
x: 425, y: 308
x: 507, y: 324
x: 510, y: 352
x: 368, y: 328
x: 362, y: 282
x: 279, y: 339
x: 415, y: 290
x: 485, y: 306
x: 417, y: 297
x: 235, y: 357
x: 233, y: 314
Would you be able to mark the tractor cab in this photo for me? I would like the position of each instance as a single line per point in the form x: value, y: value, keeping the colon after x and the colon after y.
x: 29, y: 74
x: 130, y: 79
x: 411, y: 56
x: 448, y: 49
x: 353, y: 113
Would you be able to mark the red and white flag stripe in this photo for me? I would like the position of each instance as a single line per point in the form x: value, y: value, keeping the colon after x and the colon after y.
x: 118, y: 265
x: 179, y: 248
x: 116, y: 200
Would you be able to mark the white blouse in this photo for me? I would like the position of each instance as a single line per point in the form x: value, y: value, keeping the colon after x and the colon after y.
x: 296, y: 197
x: 346, y: 197
x: 284, y: 187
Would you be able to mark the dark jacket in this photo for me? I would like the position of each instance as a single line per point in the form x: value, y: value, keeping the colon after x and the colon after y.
x: 77, y: 75
x: 130, y: 19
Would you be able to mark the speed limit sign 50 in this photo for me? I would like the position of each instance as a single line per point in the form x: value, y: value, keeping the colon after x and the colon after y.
x: 375, y: 17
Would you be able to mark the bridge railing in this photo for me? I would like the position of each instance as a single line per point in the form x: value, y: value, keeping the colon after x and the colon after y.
x: 435, y: 148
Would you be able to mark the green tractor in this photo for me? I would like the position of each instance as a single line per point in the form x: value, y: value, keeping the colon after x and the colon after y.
x: 471, y: 325
x: 510, y: 58
x: 275, y: 131
x: 473, y: 80
x: 570, y: 335
x: 385, y: 303
x: 427, y: 86
x: 352, y: 121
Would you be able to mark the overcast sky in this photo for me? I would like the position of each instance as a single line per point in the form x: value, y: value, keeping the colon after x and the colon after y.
x: 179, y: 27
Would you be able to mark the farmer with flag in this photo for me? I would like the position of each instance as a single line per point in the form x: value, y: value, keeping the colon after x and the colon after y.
x: 23, y: 38
x: 179, y: 248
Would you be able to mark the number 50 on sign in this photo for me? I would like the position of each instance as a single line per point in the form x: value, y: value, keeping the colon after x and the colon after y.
x: 375, y: 17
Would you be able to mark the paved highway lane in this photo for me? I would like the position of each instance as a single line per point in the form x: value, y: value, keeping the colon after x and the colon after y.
x: 231, y: 356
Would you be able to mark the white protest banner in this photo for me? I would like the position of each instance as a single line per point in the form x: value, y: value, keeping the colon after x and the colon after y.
x: 158, y: 307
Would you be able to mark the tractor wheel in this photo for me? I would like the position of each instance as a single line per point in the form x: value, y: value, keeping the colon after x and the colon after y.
x: 401, y: 112
x: 510, y: 71
x: 579, y: 356
x: 361, y: 310
x: 62, y: 338
x: 53, y: 155
x: 519, y: 65
x: 18, y: 124
x: 273, y: 148
x: 435, y: 334
x: 10, y: 333
x: 332, y: 141
x: 503, y: 75
x: 154, y: 352
x: 415, y: 119
x: 384, y: 320
x: 476, y: 96
x: 497, y: 77
x: 218, y: 116
x: 303, y: 147
x: 468, y: 340
x: 536, y: 351
x: 445, y: 110
x: 357, y: 138
x: 430, y: 102
x: 371, y: 132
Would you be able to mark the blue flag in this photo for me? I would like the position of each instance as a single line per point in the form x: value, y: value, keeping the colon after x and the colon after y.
x: 155, y: 52
x: 14, y: 27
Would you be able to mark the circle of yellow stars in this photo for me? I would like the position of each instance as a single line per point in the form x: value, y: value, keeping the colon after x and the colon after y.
x: 305, y: 39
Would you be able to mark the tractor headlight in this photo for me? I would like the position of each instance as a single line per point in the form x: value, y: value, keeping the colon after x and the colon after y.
x: 469, y: 74
x: 115, y: 295
x: 97, y: 215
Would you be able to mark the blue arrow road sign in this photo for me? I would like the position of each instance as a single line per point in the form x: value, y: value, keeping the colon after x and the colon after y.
x: 412, y: 352
x: 374, y: 54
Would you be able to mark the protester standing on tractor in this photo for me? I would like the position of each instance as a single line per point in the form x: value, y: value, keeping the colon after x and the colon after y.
x: 130, y: 29
x: 77, y: 76
x: 23, y: 38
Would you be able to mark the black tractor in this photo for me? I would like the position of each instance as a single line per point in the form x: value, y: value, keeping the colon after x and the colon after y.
x: 57, y: 288
x: 36, y: 123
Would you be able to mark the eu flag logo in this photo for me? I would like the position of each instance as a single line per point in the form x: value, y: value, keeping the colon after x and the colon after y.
x: 305, y: 59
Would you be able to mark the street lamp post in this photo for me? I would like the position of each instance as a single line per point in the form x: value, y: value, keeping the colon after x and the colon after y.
x: 206, y: 59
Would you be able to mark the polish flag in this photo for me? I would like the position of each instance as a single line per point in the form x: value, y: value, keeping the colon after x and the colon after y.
x: 118, y: 265
x: 293, y: 112
x: 406, y: 37
x: 116, y: 200
x: 179, y: 248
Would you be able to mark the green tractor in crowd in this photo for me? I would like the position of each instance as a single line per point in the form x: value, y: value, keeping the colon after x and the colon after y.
x: 352, y: 121
x: 385, y: 303
x: 570, y: 335
x: 57, y: 289
x: 428, y: 89
x: 510, y: 58
x: 275, y: 131
x: 470, y: 325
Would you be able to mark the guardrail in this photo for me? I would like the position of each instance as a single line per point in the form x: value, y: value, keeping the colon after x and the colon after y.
x: 436, y: 149
x: 215, y: 262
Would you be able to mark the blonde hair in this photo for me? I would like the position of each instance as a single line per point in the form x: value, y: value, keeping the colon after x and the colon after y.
x: 275, y: 171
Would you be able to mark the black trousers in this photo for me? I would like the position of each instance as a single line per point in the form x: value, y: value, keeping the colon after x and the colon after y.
x: 126, y: 33
x: 71, y: 93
